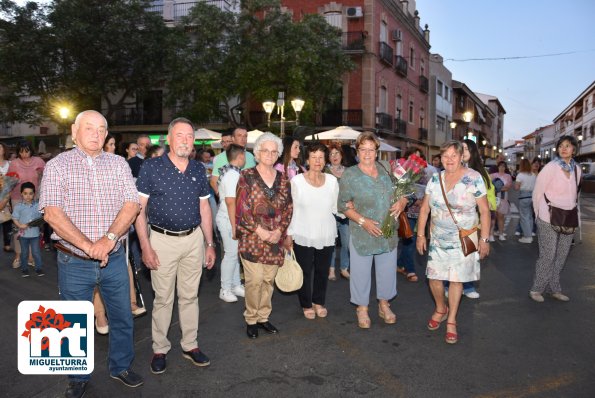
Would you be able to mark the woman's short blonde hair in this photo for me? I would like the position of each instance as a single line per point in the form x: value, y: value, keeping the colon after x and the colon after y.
x: 452, y: 144
x: 267, y: 137
x: 367, y: 136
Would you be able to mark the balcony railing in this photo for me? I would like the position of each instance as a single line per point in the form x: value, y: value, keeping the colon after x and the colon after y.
x: 401, y: 65
x: 401, y: 127
x: 424, y: 84
x: 384, y: 121
x: 386, y: 53
x: 353, y: 41
x: 133, y: 116
x: 177, y: 11
x: 423, y: 134
x: 343, y: 117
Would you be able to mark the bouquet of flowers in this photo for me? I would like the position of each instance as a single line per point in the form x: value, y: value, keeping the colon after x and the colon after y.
x: 9, y: 181
x: 405, y: 175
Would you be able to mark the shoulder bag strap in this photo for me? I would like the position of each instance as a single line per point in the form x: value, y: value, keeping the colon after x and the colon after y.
x: 446, y: 201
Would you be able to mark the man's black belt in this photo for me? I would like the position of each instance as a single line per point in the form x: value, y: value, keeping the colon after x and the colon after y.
x: 173, y: 233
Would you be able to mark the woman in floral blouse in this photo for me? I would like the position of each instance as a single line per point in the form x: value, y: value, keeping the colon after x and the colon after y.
x: 264, y: 209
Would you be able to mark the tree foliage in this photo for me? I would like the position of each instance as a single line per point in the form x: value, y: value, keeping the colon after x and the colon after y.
x: 87, y: 52
x: 253, y: 55
x: 81, y: 52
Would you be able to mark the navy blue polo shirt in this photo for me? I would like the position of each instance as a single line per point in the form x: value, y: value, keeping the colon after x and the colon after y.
x: 174, y: 197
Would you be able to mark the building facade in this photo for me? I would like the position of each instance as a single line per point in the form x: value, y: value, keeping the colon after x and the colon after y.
x: 578, y: 120
x: 441, y: 104
x: 484, y: 124
x: 388, y: 91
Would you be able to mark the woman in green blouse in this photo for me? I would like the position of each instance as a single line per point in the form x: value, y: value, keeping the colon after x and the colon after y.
x: 365, y: 192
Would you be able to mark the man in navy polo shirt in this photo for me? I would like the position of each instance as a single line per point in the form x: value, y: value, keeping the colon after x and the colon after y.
x: 174, y: 195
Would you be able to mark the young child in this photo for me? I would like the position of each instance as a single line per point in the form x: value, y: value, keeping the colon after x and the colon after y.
x: 24, y: 213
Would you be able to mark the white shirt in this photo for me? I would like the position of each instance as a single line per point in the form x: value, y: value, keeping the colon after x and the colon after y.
x: 313, y: 223
x: 227, y: 189
x: 527, y: 181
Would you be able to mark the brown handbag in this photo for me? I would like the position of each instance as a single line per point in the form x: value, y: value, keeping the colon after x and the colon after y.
x: 404, y: 231
x: 469, y: 237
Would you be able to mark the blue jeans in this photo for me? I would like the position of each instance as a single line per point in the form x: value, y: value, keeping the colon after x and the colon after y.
x: 526, y: 215
x: 77, y: 279
x: 344, y: 251
x: 407, y: 257
x: 35, y: 252
x: 230, y: 264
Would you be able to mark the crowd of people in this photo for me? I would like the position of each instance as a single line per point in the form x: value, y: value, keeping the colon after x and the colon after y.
x: 325, y: 203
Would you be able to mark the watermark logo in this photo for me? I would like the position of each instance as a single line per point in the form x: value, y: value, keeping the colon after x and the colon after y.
x: 56, y: 337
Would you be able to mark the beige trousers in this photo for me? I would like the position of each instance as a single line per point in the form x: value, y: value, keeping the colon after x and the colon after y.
x: 259, y: 280
x: 181, y: 260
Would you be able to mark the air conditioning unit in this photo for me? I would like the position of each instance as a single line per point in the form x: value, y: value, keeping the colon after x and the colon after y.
x: 396, y: 35
x: 354, y: 12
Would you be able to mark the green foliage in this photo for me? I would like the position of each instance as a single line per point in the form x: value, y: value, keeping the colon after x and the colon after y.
x: 239, y: 59
x: 87, y: 52
x: 81, y: 52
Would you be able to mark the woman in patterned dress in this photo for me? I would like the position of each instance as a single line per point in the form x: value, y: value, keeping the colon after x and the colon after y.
x: 466, y: 191
x: 264, y: 209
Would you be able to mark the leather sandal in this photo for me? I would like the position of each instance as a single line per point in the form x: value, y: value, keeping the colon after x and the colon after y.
x: 411, y: 277
x: 321, y: 311
x: 385, y: 313
x: 363, y: 320
x: 331, y: 274
x: 309, y: 313
x: 434, y: 324
x: 451, y: 338
x: 345, y: 274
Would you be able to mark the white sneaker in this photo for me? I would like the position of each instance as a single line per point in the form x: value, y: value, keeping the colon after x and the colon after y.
x: 496, y: 233
x: 526, y: 240
x: 560, y: 296
x: 227, y: 296
x: 536, y: 296
x: 502, y: 237
x: 472, y: 295
x: 492, y: 238
x: 238, y: 290
x: 533, y: 234
x: 446, y: 293
x: 517, y: 233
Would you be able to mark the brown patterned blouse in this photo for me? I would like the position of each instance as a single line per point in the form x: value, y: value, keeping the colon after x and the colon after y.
x: 271, y: 208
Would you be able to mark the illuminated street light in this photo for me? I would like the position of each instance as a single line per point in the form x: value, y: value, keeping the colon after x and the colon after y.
x: 269, y: 105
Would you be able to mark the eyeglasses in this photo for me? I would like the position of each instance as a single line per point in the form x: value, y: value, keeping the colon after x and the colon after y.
x: 267, y: 152
x: 367, y: 150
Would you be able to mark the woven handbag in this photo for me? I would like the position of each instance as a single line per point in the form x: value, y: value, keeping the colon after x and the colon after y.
x: 290, y: 276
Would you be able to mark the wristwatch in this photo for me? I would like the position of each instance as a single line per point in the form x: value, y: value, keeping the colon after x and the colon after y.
x: 111, y: 236
x: 210, y: 244
x: 486, y: 240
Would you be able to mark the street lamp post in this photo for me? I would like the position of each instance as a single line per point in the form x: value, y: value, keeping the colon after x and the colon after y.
x: 64, y: 113
x: 297, y: 105
x: 467, y: 117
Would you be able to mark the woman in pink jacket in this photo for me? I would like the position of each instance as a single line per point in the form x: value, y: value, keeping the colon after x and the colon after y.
x: 558, y: 181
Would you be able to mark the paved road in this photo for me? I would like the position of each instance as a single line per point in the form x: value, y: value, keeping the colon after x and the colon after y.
x: 509, y: 345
